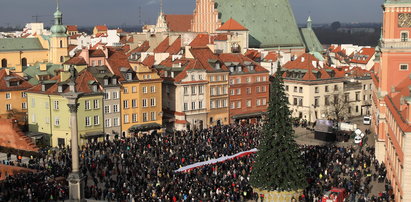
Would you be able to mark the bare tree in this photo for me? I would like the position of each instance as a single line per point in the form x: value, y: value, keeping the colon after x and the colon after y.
x: 339, y: 106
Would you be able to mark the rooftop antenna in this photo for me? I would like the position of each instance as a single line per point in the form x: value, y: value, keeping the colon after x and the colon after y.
x: 161, y: 6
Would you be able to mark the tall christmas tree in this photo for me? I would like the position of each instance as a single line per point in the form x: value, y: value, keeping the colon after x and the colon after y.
x: 278, y: 166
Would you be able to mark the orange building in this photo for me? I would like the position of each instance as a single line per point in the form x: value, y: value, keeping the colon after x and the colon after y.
x: 13, y: 96
x: 391, y: 97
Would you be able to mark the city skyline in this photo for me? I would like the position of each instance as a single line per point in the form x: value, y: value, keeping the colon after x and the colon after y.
x: 126, y: 12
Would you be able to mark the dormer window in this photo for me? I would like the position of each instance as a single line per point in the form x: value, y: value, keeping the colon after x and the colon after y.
x: 239, y: 68
x: 251, y: 68
x: 43, y: 87
x: 172, y: 74
x: 217, y: 65
x: 60, y: 89
x: 129, y: 76
x: 114, y: 81
x: 14, y: 83
x: 94, y: 87
x: 232, y: 69
x: 106, y: 81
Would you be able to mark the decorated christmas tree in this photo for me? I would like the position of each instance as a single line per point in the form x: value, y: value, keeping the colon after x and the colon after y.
x: 278, y: 166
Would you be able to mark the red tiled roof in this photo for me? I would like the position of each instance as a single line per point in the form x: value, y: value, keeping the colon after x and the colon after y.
x: 12, y: 77
x: 142, y: 48
x: 240, y: 58
x: 71, y: 47
x: 12, y: 137
x: 78, y: 60
x: 271, y: 56
x: 97, y: 53
x: 175, y: 47
x: 364, y: 56
x: 162, y: 47
x: 204, y: 55
x: 149, y: 61
x: 201, y: 40
x: 232, y: 25
x: 118, y: 60
x: 101, y: 35
x: 253, y: 54
x: 72, y: 28
x: 101, y: 27
x: 178, y: 23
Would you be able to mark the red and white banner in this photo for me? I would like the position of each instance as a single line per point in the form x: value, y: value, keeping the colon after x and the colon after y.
x: 214, y: 161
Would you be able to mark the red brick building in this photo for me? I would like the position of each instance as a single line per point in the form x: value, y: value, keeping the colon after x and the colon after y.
x: 248, y: 88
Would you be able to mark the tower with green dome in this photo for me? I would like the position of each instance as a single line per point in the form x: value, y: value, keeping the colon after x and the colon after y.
x: 58, y: 40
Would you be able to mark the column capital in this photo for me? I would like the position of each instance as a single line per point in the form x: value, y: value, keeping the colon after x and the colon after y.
x: 73, y: 107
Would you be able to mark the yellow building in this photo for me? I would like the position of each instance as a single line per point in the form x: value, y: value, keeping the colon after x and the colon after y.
x: 141, y: 104
x: 16, y: 53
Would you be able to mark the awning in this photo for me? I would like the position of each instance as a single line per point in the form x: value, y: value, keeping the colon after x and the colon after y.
x: 249, y: 115
x: 144, y: 127
x: 36, y: 135
x: 93, y: 134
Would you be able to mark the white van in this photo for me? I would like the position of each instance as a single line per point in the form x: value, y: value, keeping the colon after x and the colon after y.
x: 367, y: 120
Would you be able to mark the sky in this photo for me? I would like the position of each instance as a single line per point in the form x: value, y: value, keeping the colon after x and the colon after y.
x: 126, y: 12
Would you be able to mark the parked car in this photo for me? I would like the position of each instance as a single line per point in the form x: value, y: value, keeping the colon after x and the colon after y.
x: 367, y: 120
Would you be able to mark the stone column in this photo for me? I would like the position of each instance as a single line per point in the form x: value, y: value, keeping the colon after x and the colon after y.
x: 75, y: 179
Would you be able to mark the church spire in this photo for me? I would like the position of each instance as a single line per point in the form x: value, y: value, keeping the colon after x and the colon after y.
x: 58, y: 28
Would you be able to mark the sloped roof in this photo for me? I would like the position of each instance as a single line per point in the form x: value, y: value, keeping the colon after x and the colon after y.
x: 241, y: 60
x: 97, y: 53
x: 101, y: 27
x: 312, y: 44
x: 163, y: 46
x: 23, y: 84
x: 204, y: 55
x: 232, y: 25
x: 271, y: 56
x: 12, y: 137
x: 77, y: 60
x: 175, y: 47
x: 117, y: 61
x: 20, y: 44
x: 363, y: 56
x: 201, y: 40
x: 253, y: 54
x: 178, y: 23
x: 72, y: 28
x: 149, y: 61
x: 270, y: 25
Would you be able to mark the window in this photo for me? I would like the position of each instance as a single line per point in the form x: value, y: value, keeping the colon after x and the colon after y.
x: 134, y: 118
x: 193, y: 105
x: 24, y: 105
x: 88, y: 121
x: 56, y: 105
x: 106, y: 96
x: 107, y: 109
x: 231, y: 81
x: 201, y: 89
x: 224, y: 103
x: 4, y: 62
x: 316, y: 101
x: 212, y: 90
x: 404, y: 36
x: 153, y: 116
x: 370, y: 86
x: 125, y: 90
x: 301, y: 90
x: 115, y: 108
x: 357, y: 109
x: 185, y: 90
x: 232, y: 92
x: 403, y: 67
x: 193, y: 78
x: 211, y: 78
x: 232, y: 105
x: 218, y: 90
x: 107, y: 123
x: 300, y: 101
x: 295, y: 89
x: 8, y: 107
x: 327, y: 100
x: 238, y: 81
x: 126, y: 118
x: 225, y: 90
x: 257, y: 79
x: 8, y: 95
x: 217, y: 104
x: 286, y: 88
x: 96, y: 120
x: 193, y: 90
x: 144, y: 102
x: 153, y: 102
x: 316, y: 90
x: 33, y: 118
x: 238, y: 104
x: 145, y: 89
x: 258, y: 103
x: 257, y: 89
x: 295, y: 101
x: 57, y: 121
x: 264, y: 101
x: 23, y: 94
x: 200, y: 104
x: 152, y: 89
x: 134, y: 103
x: 96, y: 104
x: 357, y: 96
x: 200, y: 77
x: 145, y: 117
x: 248, y: 91
x: 185, y: 106
x: 346, y: 97
x: 212, y: 104
x: 115, y: 95
x: 125, y: 104
x: 61, y: 58
x: 264, y: 88
x: 335, y: 87
x: 238, y: 91
x: 116, y: 121
x: 87, y: 105
x: 61, y: 43
x: 326, y: 88
x: 264, y: 78
x: 134, y: 89
x: 247, y: 79
x: 129, y: 76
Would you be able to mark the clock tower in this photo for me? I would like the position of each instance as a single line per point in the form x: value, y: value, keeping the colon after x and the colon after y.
x: 395, y: 44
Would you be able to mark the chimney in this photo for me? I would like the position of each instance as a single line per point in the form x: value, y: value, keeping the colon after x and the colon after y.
x: 43, y: 67
x: 7, y: 71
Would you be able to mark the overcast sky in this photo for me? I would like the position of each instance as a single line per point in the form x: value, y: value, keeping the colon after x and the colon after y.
x: 119, y: 12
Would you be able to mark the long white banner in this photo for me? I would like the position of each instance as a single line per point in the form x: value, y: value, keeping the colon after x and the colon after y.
x: 214, y: 161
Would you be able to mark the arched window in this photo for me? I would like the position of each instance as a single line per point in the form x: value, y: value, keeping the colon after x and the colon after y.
x: 404, y: 36
x: 61, y: 58
x: 24, y: 62
x: 4, y: 62
x: 61, y: 43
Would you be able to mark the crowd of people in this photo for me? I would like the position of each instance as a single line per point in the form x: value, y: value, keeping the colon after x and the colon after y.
x: 143, y: 168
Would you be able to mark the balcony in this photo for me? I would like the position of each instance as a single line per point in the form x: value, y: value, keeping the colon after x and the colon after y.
x: 395, y: 44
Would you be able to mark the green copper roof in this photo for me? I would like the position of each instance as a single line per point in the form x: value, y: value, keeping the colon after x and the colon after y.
x: 311, y: 41
x: 271, y: 22
x: 31, y: 72
x: 20, y: 44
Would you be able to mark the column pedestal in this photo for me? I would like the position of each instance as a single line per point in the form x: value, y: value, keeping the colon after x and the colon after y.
x: 76, y: 186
